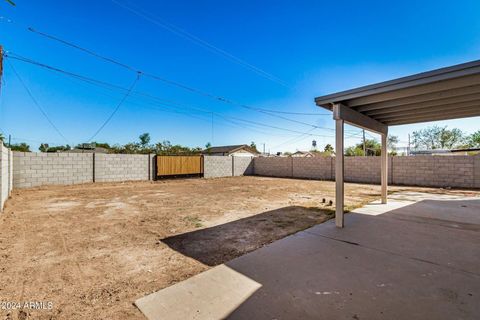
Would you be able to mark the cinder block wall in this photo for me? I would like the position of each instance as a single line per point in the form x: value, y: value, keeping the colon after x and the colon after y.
x: 273, y: 167
x: 6, y: 174
x: 242, y: 166
x: 31, y: 169
x: 476, y: 171
x: 121, y: 167
x: 313, y: 168
x: 362, y: 169
x: 435, y: 171
x: 217, y: 166
x: 428, y: 171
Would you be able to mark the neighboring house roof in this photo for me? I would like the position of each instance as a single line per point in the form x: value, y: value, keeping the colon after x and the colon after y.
x: 229, y: 149
x: 311, y: 154
x: 89, y: 150
x: 302, y: 154
x: 440, y: 151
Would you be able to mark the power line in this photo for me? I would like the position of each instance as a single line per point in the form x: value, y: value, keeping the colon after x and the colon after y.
x: 116, y: 108
x: 35, y: 101
x: 35, y: 141
x: 197, y: 91
x: 231, y: 123
x: 294, y: 139
x: 103, y: 83
x: 298, y: 113
x: 275, y: 127
x: 190, y: 37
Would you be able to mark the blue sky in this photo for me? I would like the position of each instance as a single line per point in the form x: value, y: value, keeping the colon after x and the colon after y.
x: 316, y: 47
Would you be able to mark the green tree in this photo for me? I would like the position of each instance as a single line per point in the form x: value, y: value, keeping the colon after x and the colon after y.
x: 373, y: 147
x: 11, y: 2
x: 102, y: 145
x: 354, y: 151
x: 144, y: 139
x: 23, y: 147
x: 473, y: 140
x: 43, y: 147
x: 328, y: 148
x: 2, y: 137
x: 392, y: 144
x: 166, y: 148
x: 253, y: 145
x: 438, y: 138
x: 208, y: 145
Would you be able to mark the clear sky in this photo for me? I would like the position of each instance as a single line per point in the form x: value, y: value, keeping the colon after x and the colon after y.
x: 295, y: 50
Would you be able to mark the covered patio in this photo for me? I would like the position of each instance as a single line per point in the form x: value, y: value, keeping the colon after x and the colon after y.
x: 442, y: 94
x: 415, y: 257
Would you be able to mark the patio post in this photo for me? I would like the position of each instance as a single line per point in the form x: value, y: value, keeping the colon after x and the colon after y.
x: 384, y: 168
x: 339, y: 170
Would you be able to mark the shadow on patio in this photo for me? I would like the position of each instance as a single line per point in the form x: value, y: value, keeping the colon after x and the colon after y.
x: 221, y: 243
x: 419, y: 261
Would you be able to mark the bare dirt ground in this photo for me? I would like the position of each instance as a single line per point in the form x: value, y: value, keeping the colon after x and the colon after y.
x: 93, y: 249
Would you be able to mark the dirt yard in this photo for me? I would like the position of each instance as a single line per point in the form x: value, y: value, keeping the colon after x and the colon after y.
x: 93, y: 249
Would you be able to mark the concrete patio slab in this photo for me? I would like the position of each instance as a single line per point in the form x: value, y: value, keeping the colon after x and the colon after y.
x: 419, y: 259
x: 212, y: 294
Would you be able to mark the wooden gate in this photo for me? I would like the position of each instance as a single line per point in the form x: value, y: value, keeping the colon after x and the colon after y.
x: 179, y: 165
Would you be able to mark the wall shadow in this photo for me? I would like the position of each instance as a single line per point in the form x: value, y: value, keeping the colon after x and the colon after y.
x: 221, y: 243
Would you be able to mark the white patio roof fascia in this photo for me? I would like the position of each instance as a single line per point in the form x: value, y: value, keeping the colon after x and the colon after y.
x: 442, y: 94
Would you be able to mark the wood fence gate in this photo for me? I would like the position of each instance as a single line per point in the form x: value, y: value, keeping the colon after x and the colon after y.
x: 179, y: 165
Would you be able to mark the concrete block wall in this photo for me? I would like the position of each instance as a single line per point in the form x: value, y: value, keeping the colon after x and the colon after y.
x: 435, y: 171
x: 217, y: 166
x: 321, y: 168
x: 476, y: 170
x: 6, y: 175
x: 242, y: 166
x: 428, y: 171
x: 273, y: 167
x: 31, y: 169
x: 122, y: 167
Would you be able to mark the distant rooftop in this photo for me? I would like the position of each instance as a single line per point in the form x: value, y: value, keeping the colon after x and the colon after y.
x: 230, y: 149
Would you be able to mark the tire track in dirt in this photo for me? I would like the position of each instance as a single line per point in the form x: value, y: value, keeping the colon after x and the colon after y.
x: 67, y: 251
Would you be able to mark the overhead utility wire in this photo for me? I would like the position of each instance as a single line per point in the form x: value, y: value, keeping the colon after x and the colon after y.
x: 35, y: 101
x: 269, y: 112
x: 192, y: 38
x: 103, y: 83
x: 164, y: 105
x: 116, y: 108
x: 293, y: 140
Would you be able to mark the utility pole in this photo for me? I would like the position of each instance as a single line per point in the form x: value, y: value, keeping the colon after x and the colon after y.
x: 364, y: 145
x: 1, y: 73
x: 264, y: 148
x: 212, y: 128
x: 1, y: 65
x: 1, y: 60
x: 408, y: 148
x: 9, y: 140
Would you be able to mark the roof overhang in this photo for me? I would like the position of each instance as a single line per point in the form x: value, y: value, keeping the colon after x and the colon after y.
x: 442, y: 94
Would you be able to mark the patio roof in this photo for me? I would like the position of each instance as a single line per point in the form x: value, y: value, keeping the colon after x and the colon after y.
x: 446, y: 93
x: 442, y: 94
